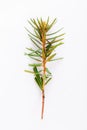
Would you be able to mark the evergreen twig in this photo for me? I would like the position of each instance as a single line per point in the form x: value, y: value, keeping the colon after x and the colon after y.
x: 45, y: 44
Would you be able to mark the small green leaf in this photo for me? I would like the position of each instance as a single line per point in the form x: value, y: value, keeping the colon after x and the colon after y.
x: 47, y: 70
x: 56, y: 36
x: 48, y: 47
x: 32, y: 25
x: 54, y: 32
x: 34, y: 58
x: 52, y: 48
x: 47, y: 21
x: 57, y: 59
x: 35, y: 44
x: 52, y: 24
x: 31, y: 33
x: 35, y: 65
x: 37, y: 41
x: 57, y: 45
x: 29, y: 71
x: 37, y: 76
x: 38, y: 82
x: 48, y: 80
x: 30, y: 49
x: 34, y: 54
x: 50, y: 57
x: 41, y: 82
x: 39, y: 22
x: 35, y: 51
x: 34, y: 22
x: 31, y: 54
x: 54, y: 41
x: 58, y: 40
x: 37, y: 34
x: 36, y: 72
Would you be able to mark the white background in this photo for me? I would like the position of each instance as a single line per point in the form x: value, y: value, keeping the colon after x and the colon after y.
x: 66, y: 94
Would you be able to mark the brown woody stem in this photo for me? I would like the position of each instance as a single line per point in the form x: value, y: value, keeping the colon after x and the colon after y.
x: 44, y: 70
x: 43, y: 96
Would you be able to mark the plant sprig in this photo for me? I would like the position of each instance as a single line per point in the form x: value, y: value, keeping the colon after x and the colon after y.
x: 45, y: 43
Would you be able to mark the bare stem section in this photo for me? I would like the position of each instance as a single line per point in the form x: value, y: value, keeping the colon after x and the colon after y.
x: 43, y: 97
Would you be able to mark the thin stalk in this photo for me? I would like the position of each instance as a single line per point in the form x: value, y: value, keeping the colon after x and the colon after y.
x: 44, y: 70
x: 43, y: 96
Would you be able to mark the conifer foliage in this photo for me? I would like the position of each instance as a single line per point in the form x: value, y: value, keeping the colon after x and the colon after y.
x: 45, y: 43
